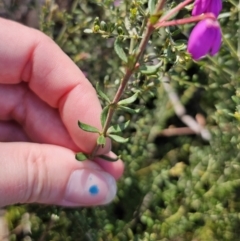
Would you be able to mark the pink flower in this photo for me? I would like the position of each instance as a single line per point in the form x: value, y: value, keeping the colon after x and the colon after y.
x: 207, y: 6
x: 117, y: 3
x: 205, y: 39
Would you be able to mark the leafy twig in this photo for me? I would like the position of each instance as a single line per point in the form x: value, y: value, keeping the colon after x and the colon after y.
x: 130, y: 70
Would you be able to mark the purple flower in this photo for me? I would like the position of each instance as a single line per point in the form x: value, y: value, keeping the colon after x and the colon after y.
x: 117, y: 3
x: 207, y: 6
x: 205, y: 39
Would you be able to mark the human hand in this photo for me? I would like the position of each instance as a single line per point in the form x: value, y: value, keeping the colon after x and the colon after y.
x: 42, y: 96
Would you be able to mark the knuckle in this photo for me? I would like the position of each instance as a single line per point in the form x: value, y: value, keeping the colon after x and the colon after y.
x: 37, y: 178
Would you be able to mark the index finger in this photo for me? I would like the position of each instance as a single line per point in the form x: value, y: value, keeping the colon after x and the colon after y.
x: 30, y: 56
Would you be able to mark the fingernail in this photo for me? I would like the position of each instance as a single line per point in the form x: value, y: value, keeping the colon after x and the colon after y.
x: 90, y: 187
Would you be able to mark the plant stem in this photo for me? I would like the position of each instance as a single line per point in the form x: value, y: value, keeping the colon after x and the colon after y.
x: 129, y: 71
x: 142, y: 46
x: 117, y: 98
x: 160, y: 6
x: 174, y: 10
x: 185, y: 20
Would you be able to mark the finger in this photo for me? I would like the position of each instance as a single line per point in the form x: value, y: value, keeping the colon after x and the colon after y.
x: 49, y: 174
x: 39, y: 121
x: 36, y: 59
x: 12, y: 131
x: 115, y: 168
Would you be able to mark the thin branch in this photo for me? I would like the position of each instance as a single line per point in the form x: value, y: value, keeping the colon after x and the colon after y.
x: 177, y: 131
x: 175, y: 10
x: 181, y: 111
x: 192, y: 19
x: 129, y: 71
x: 142, y: 46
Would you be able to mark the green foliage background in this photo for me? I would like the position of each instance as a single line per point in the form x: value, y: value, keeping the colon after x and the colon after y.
x: 174, y: 188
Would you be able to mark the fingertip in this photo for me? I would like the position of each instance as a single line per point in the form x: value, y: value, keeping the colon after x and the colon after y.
x: 81, y: 104
x: 49, y: 174
x: 89, y: 187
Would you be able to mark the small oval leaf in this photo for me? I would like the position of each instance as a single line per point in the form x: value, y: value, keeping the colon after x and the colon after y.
x: 151, y: 6
x: 119, y: 50
x: 152, y: 69
x: 81, y: 156
x: 88, y: 30
x: 129, y: 100
x: 118, y: 139
x: 101, y: 94
x: 129, y: 110
x: 87, y: 127
x: 103, y: 116
x: 118, y: 128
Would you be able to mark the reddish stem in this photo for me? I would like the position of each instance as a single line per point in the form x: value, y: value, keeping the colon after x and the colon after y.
x: 174, y: 10
x: 185, y: 20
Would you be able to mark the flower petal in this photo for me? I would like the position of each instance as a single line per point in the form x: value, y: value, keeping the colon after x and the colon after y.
x: 215, y: 7
x: 207, y: 6
x: 201, y: 39
x: 217, y: 42
x: 200, y: 6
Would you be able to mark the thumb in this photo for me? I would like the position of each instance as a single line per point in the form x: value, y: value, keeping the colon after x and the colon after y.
x: 50, y: 174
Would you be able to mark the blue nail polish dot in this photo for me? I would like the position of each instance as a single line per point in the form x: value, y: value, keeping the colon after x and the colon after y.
x: 94, y: 190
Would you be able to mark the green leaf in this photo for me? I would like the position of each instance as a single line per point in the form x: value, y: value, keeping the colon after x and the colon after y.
x: 127, y: 24
x: 118, y: 139
x: 81, y: 156
x: 101, y: 94
x: 110, y: 159
x: 88, y: 30
x: 129, y: 110
x: 151, y: 6
x: 128, y: 100
x: 235, y: 99
x: 149, y: 70
x: 87, y: 127
x: 101, y: 140
x: 180, y: 45
x: 119, y: 50
x: 118, y: 128
x: 103, y: 116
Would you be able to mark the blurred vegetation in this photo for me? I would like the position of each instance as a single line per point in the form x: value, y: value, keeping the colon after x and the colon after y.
x: 176, y: 187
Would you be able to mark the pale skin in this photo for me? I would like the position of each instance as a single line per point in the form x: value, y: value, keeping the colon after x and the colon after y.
x: 42, y: 96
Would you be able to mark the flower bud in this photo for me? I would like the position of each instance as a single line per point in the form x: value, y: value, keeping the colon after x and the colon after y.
x: 103, y: 26
x: 205, y: 39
